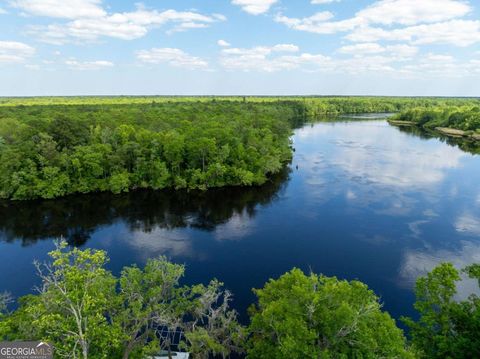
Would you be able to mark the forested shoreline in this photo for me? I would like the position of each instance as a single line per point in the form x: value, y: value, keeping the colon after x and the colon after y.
x: 455, y: 121
x: 54, y: 146
x: 51, y: 151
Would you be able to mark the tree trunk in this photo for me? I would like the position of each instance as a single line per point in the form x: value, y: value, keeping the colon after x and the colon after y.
x: 128, y: 350
x: 84, y: 350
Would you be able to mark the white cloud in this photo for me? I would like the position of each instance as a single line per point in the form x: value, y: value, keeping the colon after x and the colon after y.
x: 321, y: 2
x: 444, y: 65
x: 89, y: 26
x: 67, y: 9
x: 88, y: 65
x: 14, y: 52
x: 426, y: 22
x: 172, y: 57
x: 411, y: 12
x: 399, y: 60
x: 3, y: 11
x: 364, y: 48
x: 269, y: 58
x: 32, y: 67
x: 318, y: 23
x: 255, y: 7
x: 223, y: 43
x: 456, y: 32
x: 397, y: 52
x: 402, y: 50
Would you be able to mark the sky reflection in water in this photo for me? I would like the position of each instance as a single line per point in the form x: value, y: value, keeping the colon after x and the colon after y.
x: 367, y: 202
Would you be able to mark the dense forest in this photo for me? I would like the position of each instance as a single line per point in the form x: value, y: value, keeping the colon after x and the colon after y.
x: 51, y: 151
x: 51, y: 147
x: 85, y: 311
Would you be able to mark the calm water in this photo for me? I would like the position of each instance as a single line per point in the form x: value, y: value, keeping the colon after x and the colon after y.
x: 367, y: 201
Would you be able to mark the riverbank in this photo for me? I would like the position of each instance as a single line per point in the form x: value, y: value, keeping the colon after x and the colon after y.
x: 446, y: 131
x: 451, y: 121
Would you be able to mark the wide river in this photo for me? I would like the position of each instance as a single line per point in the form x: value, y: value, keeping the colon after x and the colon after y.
x: 367, y: 201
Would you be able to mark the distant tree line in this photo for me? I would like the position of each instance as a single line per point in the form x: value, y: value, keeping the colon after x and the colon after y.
x: 87, y: 312
x: 466, y: 118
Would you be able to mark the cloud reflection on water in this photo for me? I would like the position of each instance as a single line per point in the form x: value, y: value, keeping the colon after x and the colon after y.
x: 369, y: 151
x: 468, y: 223
x: 418, y: 262
x: 383, y: 167
x: 160, y: 241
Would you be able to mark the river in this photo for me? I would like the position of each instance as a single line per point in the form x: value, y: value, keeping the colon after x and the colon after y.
x: 361, y: 200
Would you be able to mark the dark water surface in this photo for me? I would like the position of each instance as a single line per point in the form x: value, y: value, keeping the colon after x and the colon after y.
x: 367, y: 202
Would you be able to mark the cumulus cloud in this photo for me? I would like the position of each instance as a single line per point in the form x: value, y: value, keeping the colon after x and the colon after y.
x: 365, y: 48
x: 88, y: 65
x: 172, y: 57
x: 66, y: 9
x: 89, y: 21
x: 318, y: 23
x: 255, y: 7
x: 444, y: 65
x: 322, y: 2
x: 456, y: 32
x: 269, y: 58
x: 424, y: 22
x: 14, y: 52
x: 404, y: 51
x: 411, y: 12
x: 223, y: 43
x: 368, y: 57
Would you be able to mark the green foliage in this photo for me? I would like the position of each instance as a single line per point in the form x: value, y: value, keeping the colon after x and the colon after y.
x: 50, y: 151
x: 466, y: 118
x: 146, y: 295
x: 86, y: 312
x: 313, y: 316
x: 69, y: 311
x: 5, y: 300
x: 447, y: 328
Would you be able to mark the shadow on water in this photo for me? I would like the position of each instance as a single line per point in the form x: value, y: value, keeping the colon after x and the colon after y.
x: 77, y: 217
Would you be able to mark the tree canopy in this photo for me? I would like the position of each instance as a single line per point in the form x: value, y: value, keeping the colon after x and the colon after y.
x: 447, y: 327
x: 86, y: 312
x: 313, y: 316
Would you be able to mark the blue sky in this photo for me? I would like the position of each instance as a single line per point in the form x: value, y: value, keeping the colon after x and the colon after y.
x: 231, y: 47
